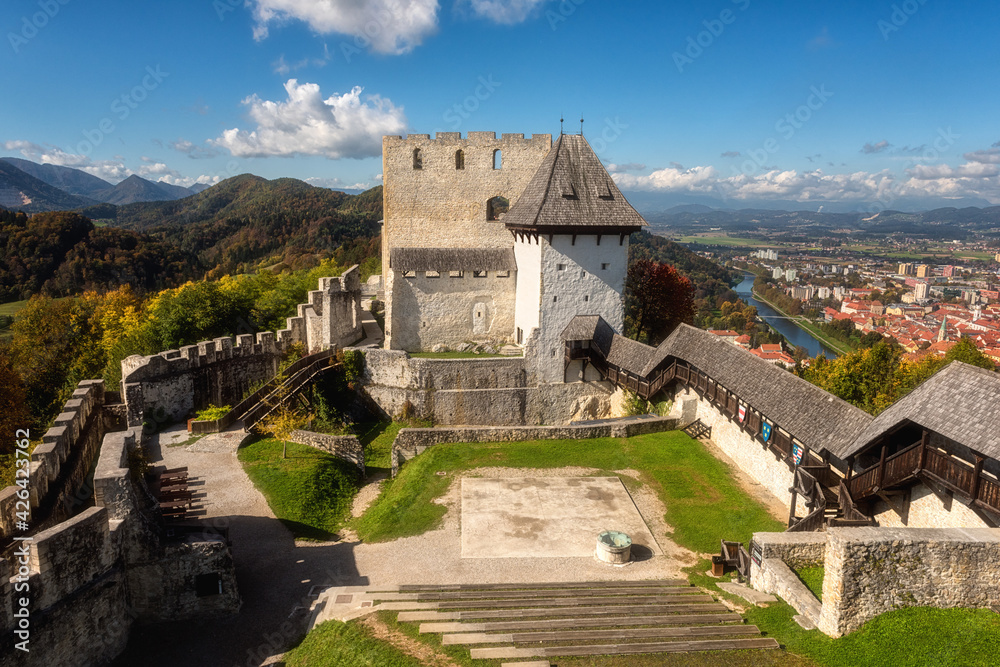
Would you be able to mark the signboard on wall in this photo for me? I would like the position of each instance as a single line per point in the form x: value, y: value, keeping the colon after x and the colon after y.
x: 765, y: 431
x: 797, y: 452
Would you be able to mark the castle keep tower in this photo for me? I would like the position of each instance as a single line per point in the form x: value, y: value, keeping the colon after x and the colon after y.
x: 500, y: 240
x: 571, y: 227
x: 447, y: 260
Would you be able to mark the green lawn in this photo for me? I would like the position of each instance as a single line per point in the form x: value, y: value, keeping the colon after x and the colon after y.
x: 310, y: 491
x: 10, y: 309
x: 377, y: 439
x: 336, y: 644
x: 704, y: 503
x: 812, y: 577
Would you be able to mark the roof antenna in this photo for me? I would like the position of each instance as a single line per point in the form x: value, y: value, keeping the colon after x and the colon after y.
x: 560, y: 124
x: 581, y: 124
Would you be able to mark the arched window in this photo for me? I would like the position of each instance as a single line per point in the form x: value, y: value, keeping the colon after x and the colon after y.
x: 497, y: 159
x: 418, y: 159
x: 496, y: 208
x: 459, y: 159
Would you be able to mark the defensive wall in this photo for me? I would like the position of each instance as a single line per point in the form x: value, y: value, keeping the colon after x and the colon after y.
x: 410, y: 442
x: 168, y: 386
x: 76, y: 587
x: 497, y: 391
x: 869, y: 571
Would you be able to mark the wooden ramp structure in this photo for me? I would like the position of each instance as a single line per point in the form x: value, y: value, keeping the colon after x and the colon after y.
x: 549, y: 620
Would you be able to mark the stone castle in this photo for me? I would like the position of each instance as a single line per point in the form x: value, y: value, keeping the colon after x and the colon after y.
x: 519, y: 243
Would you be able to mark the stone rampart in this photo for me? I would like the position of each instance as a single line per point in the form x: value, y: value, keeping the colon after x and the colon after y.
x: 869, y: 571
x: 168, y: 386
x: 410, y: 442
x: 345, y: 447
x: 873, y: 570
x: 60, y: 464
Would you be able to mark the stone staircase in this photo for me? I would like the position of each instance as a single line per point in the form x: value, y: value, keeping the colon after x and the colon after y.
x: 549, y: 620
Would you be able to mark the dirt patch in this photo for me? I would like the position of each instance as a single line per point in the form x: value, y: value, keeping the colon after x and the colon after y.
x: 367, y: 494
x: 422, y: 652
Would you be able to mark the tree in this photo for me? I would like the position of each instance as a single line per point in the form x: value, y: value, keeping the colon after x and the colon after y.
x: 967, y: 352
x: 280, y: 424
x: 657, y: 300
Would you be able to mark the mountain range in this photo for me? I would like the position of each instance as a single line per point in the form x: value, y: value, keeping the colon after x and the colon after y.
x: 22, y: 186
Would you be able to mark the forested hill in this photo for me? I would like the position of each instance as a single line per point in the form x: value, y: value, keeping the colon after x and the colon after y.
x: 233, y: 226
x: 63, y: 253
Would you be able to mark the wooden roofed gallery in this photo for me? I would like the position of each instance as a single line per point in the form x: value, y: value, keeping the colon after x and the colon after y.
x: 942, y: 435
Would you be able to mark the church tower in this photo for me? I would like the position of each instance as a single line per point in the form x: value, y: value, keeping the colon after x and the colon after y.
x: 571, y: 227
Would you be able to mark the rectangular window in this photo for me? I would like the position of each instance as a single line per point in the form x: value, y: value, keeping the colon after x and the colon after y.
x: 604, y: 266
x: 586, y: 297
x: 478, y: 274
x: 455, y: 274
x: 409, y: 274
x: 503, y: 274
x: 560, y: 267
x: 432, y: 274
x: 554, y: 299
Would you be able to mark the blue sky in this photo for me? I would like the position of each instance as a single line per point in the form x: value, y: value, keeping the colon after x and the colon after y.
x: 734, y: 99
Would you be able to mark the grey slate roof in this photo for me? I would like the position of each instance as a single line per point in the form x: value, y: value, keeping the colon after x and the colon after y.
x: 571, y: 188
x: 961, y: 402
x: 452, y: 259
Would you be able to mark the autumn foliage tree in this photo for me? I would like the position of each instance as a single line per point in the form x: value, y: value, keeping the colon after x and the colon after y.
x: 657, y: 300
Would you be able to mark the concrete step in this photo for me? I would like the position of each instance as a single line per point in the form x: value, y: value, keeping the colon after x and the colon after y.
x: 623, y: 649
x: 570, y: 623
x: 598, y: 635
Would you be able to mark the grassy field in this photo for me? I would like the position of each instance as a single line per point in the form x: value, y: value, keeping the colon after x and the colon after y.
x: 703, y: 501
x: 837, y: 346
x: 9, y: 310
x: 725, y: 241
x: 310, y: 490
x: 336, y: 644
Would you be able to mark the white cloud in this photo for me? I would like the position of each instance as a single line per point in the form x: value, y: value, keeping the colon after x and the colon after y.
x: 988, y: 156
x: 385, y: 26
x: 507, y: 12
x: 340, y: 126
x: 193, y: 150
x: 628, y: 166
x: 967, y: 180
x: 337, y: 184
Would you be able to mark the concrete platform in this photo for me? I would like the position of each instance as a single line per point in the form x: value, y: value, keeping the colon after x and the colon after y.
x: 547, y: 517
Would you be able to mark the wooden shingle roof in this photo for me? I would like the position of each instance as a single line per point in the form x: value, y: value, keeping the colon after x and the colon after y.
x: 591, y: 328
x: 571, y: 188
x: 452, y: 259
x: 815, y: 417
x: 961, y: 402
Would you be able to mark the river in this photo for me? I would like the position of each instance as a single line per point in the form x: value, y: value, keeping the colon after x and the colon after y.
x: 794, y: 334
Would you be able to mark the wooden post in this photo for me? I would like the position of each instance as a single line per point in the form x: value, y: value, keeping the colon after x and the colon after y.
x: 881, y: 468
x: 977, y: 475
x: 850, y: 468
x: 791, y: 511
x: 924, y: 440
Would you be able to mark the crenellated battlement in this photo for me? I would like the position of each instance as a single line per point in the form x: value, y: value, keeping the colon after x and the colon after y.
x: 472, y: 138
x: 66, y: 453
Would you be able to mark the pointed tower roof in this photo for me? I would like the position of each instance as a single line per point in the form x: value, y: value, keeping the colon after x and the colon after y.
x: 572, y: 193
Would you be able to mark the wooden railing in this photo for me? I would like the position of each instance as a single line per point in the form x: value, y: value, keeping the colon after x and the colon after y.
x: 925, y: 462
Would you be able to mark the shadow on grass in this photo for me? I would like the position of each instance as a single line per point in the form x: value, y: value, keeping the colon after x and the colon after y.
x: 303, y: 531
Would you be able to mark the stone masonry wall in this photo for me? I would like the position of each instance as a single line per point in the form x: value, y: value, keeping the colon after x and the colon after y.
x: 60, y: 464
x: 441, y: 206
x: 413, y: 441
x: 873, y: 570
x: 927, y: 510
x: 345, y: 447
x: 781, y: 553
x: 452, y: 310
